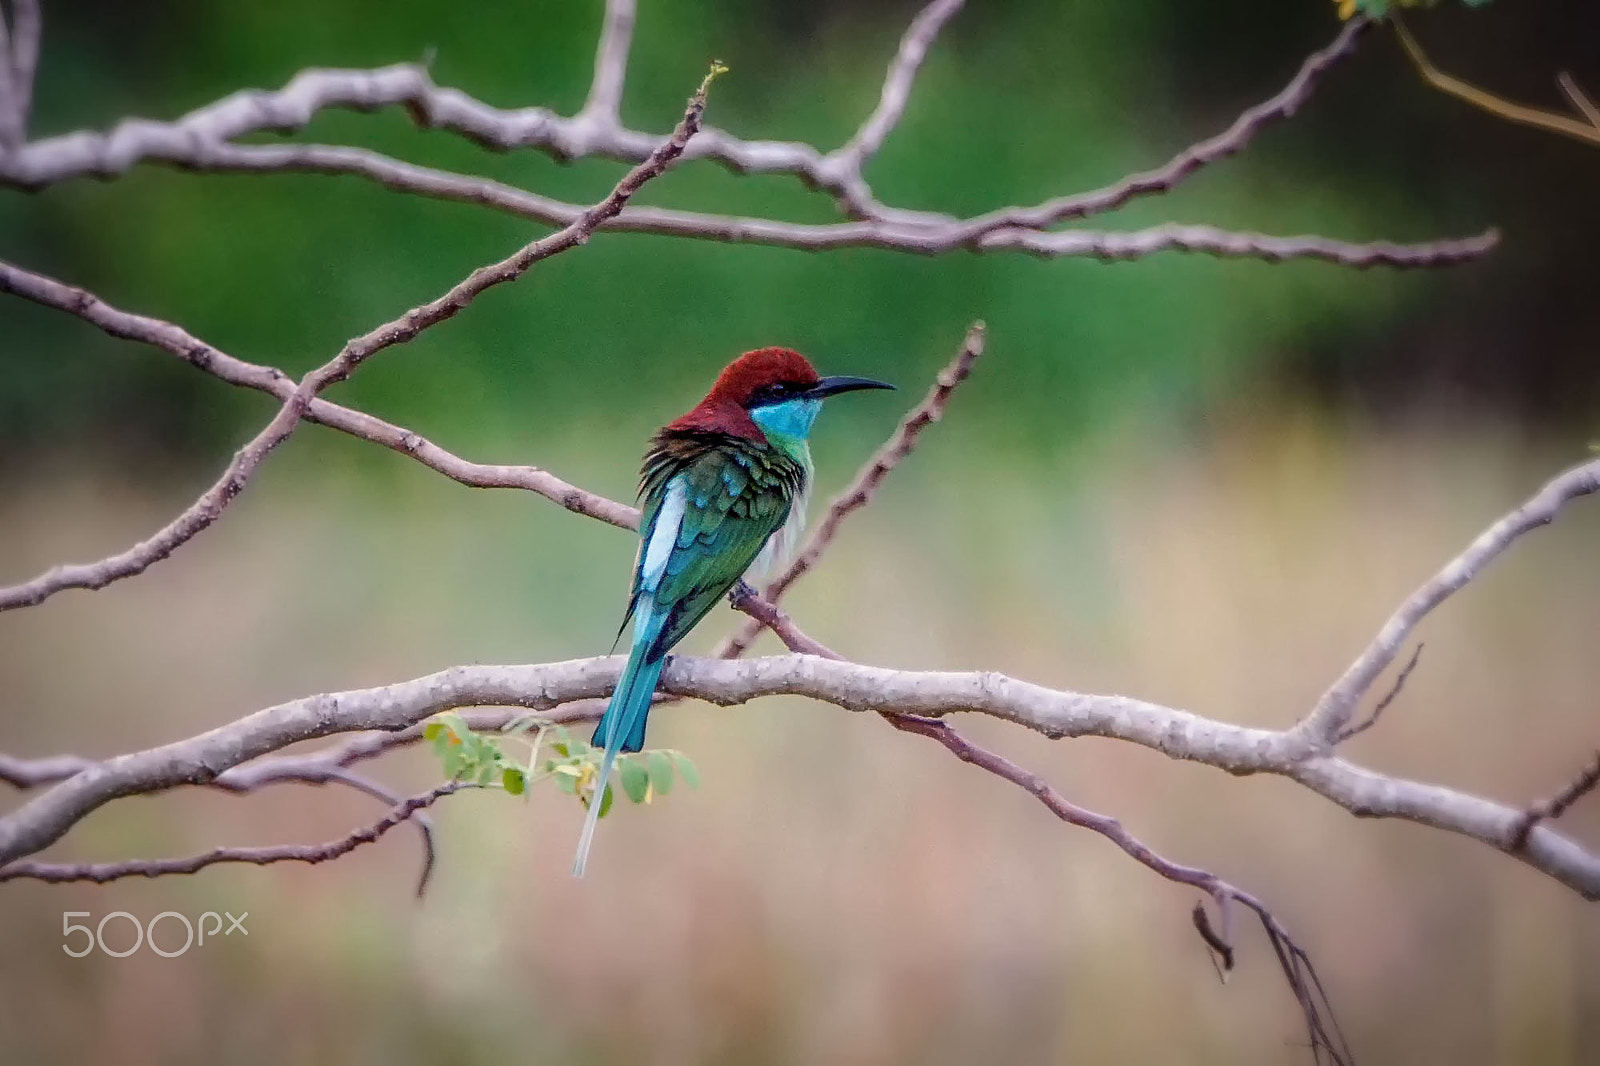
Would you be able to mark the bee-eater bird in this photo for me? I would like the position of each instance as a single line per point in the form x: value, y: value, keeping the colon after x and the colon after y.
x: 723, y: 490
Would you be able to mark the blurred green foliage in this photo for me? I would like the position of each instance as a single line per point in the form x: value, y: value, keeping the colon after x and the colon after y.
x: 1016, y: 103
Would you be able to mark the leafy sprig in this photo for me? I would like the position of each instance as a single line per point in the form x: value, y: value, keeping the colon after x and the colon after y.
x: 552, y: 753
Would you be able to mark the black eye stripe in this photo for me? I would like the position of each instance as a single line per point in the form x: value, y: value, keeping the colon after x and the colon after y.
x: 776, y: 391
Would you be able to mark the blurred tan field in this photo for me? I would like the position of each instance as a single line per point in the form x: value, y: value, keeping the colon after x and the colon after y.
x: 834, y: 892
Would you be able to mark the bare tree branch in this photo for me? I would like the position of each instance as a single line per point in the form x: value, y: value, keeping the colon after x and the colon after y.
x: 855, y: 153
x: 243, y: 756
x: 1557, y: 805
x: 201, y: 141
x: 317, y: 770
x: 1580, y: 99
x: 1382, y: 705
x: 765, y: 614
x: 1175, y: 733
x: 168, y: 337
x: 1326, y: 1039
x: 1521, y: 114
x: 604, y: 104
x: 209, y: 507
x: 1323, y: 1030
x: 102, y: 872
x: 865, y: 485
x: 26, y: 30
x: 31, y: 773
x: 1235, y: 138
x: 1338, y: 703
x: 11, y: 135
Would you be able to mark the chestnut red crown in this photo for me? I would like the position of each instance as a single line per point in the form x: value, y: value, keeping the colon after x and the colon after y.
x: 723, y: 409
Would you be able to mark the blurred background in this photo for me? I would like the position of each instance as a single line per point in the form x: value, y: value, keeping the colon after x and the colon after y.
x: 1204, y: 483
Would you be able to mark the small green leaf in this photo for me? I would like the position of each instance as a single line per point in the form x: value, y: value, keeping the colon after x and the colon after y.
x: 660, y: 772
x: 569, y: 785
x: 433, y: 730
x: 452, y: 761
x: 605, y: 803
x: 635, y: 779
x: 686, y: 769
x: 514, y: 780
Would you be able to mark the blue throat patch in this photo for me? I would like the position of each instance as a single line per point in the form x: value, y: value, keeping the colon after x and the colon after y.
x: 790, y: 419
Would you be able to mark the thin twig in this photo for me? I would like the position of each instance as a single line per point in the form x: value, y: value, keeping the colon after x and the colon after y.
x: 1557, y: 805
x: 1235, y: 138
x: 1333, y: 710
x: 1383, y: 704
x: 861, y: 491
x: 1538, y: 118
x: 102, y: 872
x: 209, y: 507
x: 26, y: 30
x: 11, y: 136
x: 202, y: 140
x: 314, y: 770
x: 604, y: 104
x: 1298, y: 971
x: 49, y: 292
x: 914, y: 45
x: 1580, y: 99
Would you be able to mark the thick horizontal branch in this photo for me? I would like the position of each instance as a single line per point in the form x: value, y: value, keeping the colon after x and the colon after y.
x: 1175, y: 733
x: 931, y: 239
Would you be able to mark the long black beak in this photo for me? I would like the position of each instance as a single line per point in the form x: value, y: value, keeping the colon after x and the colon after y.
x: 834, y: 386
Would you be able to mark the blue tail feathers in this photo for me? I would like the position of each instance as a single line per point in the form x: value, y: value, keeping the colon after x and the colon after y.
x: 629, y: 711
x: 621, y: 728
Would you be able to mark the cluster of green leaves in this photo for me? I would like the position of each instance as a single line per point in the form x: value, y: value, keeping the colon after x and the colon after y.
x: 552, y: 753
x: 1379, y: 8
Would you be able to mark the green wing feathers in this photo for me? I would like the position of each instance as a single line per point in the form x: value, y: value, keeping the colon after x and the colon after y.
x: 737, y: 494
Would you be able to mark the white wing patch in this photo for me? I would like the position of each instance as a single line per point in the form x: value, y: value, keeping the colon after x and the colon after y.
x: 664, y: 535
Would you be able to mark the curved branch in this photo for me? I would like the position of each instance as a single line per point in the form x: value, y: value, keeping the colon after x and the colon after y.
x: 102, y: 872
x: 1333, y: 711
x: 201, y: 141
x: 49, y: 292
x: 604, y: 104
x: 1175, y: 733
x: 1235, y: 138
x: 896, y: 92
x: 209, y: 506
